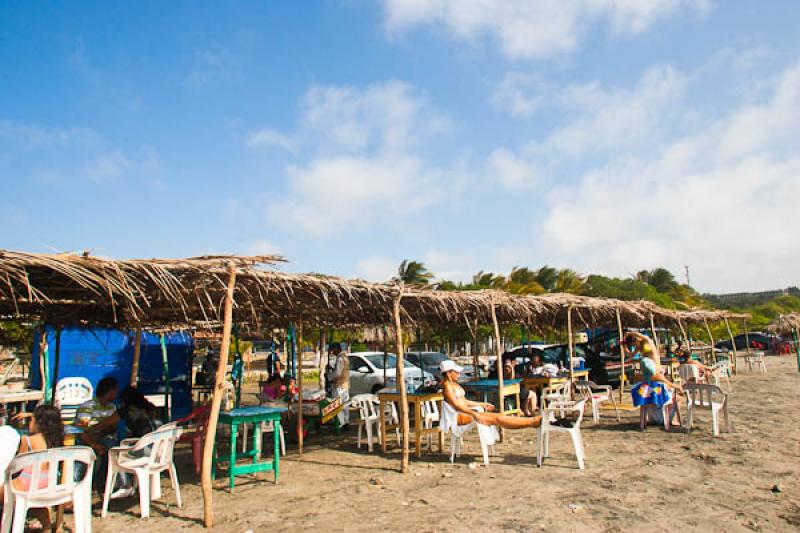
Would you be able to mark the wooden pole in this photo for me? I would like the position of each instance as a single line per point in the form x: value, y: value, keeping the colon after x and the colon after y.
x: 621, y: 355
x: 733, y: 343
x: 216, y: 400
x: 43, y: 360
x: 56, y: 365
x: 320, y: 363
x: 746, y: 335
x: 797, y: 346
x: 685, y: 337
x: 570, y: 344
x: 137, y: 355
x: 299, y: 334
x: 401, y: 382
x: 498, y: 350
x: 711, y: 339
x: 655, y: 335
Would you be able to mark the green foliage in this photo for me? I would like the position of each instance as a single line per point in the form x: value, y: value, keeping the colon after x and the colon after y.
x: 414, y: 273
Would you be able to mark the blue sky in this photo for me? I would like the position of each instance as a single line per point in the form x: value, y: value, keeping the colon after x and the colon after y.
x: 603, y: 136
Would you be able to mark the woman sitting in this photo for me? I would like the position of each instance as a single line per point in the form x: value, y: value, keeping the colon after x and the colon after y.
x: 45, y: 430
x: 463, y: 412
x: 652, y: 387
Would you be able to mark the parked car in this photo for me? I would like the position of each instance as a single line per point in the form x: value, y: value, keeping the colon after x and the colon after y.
x: 430, y: 361
x: 758, y: 340
x: 368, y: 374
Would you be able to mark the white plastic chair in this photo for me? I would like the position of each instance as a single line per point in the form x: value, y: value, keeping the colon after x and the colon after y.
x: 52, y: 483
x: 709, y: 398
x: 487, y: 435
x: 547, y: 427
x: 9, y: 444
x: 393, y: 417
x: 755, y: 362
x: 71, y: 393
x: 146, y: 458
x: 720, y: 371
x: 690, y: 373
x: 559, y: 393
x: 597, y: 394
x: 261, y: 428
x: 430, y: 417
x: 369, y: 417
x: 666, y: 413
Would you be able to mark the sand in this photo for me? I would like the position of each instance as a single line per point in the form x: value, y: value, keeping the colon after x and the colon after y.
x: 634, y: 481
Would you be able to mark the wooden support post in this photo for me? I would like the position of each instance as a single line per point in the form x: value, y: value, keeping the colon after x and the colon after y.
x: 712, y: 357
x: 499, y: 351
x: 299, y: 335
x: 320, y: 363
x: 685, y: 337
x: 43, y: 362
x: 733, y: 345
x: 655, y: 335
x: 216, y: 400
x: 56, y: 365
x: 570, y: 342
x: 137, y: 355
x: 797, y: 346
x: 746, y: 335
x: 621, y: 355
x: 401, y: 382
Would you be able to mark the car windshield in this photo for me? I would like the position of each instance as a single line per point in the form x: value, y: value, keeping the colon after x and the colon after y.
x: 433, y: 359
x: 377, y: 360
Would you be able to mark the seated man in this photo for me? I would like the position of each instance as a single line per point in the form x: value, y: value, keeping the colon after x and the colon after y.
x: 465, y: 410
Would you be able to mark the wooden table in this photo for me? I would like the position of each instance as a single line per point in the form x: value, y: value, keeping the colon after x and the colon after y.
x: 671, y: 366
x: 21, y: 396
x: 511, y: 387
x: 538, y: 383
x: 415, y: 400
x: 252, y: 415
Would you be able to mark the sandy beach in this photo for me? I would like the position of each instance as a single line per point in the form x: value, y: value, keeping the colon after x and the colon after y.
x: 644, y: 481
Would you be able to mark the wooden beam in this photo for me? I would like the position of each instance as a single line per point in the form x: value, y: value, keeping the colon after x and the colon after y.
x: 137, y: 355
x: 570, y: 342
x: 621, y: 355
x: 401, y: 382
x: 733, y: 344
x: 499, y: 362
x: 216, y: 400
x: 299, y: 342
x: 711, y: 340
x: 655, y: 335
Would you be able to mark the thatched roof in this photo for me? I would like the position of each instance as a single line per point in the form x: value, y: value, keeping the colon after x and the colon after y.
x: 701, y: 315
x: 73, y: 289
x: 787, y: 323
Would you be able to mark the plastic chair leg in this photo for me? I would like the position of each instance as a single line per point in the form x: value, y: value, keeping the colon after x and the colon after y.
x: 20, y: 513
x: 485, y: 450
x: 80, y: 503
x: 110, y: 478
x: 144, y: 493
x: 360, y: 427
x: 176, y: 486
x: 8, y: 511
x: 577, y: 442
x: 155, y: 486
x: 368, y: 427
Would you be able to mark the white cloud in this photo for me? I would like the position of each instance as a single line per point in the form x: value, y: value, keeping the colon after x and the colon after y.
x: 520, y: 93
x: 107, y: 167
x: 269, y: 138
x: 720, y: 200
x: 531, y: 28
x: 368, y: 165
x: 511, y: 170
x: 212, y: 66
x: 263, y: 247
x: 376, y: 268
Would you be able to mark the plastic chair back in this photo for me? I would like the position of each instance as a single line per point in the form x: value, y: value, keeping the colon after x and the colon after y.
x: 52, y: 472
x: 73, y: 391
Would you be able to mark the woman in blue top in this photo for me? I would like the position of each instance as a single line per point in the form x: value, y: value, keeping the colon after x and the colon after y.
x: 653, y: 388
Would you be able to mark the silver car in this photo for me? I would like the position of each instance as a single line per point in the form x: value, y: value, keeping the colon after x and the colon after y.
x: 369, y: 375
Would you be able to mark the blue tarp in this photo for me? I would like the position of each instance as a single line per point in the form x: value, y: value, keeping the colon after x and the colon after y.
x: 95, y: 353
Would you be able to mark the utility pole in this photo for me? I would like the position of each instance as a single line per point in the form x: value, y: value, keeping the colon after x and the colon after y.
x: 686, y: 269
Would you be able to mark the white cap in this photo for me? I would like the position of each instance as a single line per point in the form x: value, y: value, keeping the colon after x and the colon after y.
x: 448, y: 365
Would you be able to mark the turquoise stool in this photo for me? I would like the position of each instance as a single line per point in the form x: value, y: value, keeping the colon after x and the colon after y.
x: 251, y: 415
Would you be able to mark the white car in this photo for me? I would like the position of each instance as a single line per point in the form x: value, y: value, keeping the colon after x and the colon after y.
x: 367, y: 373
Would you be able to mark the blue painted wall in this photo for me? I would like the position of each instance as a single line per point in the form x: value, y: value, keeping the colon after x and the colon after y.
x: 95, y: 353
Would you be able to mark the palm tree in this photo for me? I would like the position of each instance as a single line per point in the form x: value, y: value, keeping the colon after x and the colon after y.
x: 547, y: 277
x: 522, y: 280
x: 568, y: 281
x: 414, y: 273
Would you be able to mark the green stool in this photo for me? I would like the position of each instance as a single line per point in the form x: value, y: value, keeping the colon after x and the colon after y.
x: 251, y: 415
